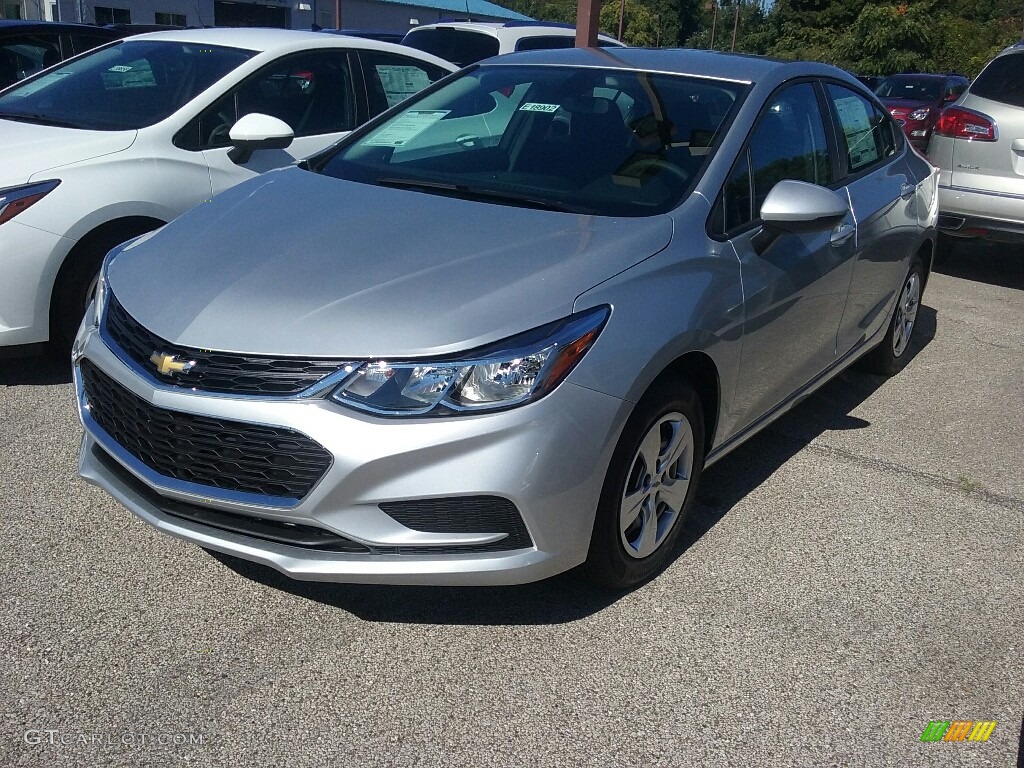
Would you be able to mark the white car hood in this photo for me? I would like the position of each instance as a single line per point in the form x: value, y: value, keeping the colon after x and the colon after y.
x: 28, y: 150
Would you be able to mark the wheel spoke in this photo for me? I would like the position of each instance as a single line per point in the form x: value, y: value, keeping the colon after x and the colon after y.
x: 650, y: 450
x: 632, y: 507
x: 681, y: 441
x: 648, y: 541
x: 673, y: 493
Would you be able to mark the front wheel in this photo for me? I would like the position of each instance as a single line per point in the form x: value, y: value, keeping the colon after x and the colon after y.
x: 649, y: 488
x: 889, y: 357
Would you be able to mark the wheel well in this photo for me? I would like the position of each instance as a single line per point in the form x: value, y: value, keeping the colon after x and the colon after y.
x: 101, y: 239
x: 700, y: 371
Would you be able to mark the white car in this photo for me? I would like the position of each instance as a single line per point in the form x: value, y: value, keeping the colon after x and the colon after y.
x: 467, y: 42
x: 122, y: 139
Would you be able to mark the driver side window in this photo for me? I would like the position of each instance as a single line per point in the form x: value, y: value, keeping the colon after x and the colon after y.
x: 312, y: 92
x: 788, y: 142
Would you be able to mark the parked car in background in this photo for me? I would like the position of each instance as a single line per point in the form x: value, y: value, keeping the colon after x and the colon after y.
x: 26, y: 47
x: 978, y: 146
x: 124, y: 139
x: 385, y: 37
x: 500, y: 331
x: 871, y: 81
x: 466, y: 42
x: 915, y: 101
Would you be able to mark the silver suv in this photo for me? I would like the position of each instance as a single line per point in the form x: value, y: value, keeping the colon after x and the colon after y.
x: 467, y: 42
x: 978, y: 146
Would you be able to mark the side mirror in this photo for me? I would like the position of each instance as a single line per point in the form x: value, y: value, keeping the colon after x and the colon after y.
x: 795, y: 207
x: 257, y: 131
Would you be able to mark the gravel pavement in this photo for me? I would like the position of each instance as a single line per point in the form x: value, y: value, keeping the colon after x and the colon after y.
x: 850, y: 575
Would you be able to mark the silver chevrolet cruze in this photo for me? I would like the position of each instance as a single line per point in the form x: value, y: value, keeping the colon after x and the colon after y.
x: 500, y: 331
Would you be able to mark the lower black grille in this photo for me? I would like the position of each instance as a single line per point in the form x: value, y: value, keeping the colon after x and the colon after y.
x: 215, y: 371
x: 232, y: 455
x: 292, y: 534
x: 464, y: 514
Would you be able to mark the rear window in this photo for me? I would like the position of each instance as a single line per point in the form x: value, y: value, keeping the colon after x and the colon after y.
x: 459, y: 46
x: 1002, y: 80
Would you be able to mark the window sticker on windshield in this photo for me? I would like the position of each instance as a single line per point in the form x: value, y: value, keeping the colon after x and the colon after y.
x: 37, y: 85
x: 403, y: 129
x: 853, y: 114
x: 532, y: 106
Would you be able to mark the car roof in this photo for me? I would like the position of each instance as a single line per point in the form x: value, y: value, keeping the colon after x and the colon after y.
x: 509, y: 28
x: 267, y: 39
x: 272, y: 40
x: 738, y: 67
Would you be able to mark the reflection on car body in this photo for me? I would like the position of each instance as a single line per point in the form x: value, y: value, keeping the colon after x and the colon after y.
x: 600, y: 274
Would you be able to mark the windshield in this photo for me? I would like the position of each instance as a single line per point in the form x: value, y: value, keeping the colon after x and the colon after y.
x: 915, y: 88
x: 609, y: 142
x: 129, y: 85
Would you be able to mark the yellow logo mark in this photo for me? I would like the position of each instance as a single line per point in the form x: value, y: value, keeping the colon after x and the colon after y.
x: 168, y: 364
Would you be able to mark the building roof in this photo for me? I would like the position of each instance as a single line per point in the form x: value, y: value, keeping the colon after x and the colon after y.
x: 468, y: 8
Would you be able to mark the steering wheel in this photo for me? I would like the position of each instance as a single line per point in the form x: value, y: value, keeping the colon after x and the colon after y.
x: 220, y: 134
x: 653, y: 165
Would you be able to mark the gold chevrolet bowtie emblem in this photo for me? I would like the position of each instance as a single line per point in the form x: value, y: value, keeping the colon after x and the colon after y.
x: 169, y: 364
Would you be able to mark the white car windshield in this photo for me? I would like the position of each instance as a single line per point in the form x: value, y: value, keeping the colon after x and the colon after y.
x: 611, y: 142
x: 129, y: 85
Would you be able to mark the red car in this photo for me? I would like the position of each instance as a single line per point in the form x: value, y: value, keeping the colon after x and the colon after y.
x: 916, y: 100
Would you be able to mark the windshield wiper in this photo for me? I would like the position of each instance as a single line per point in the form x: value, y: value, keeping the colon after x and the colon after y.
x: 37, y: 119
x: 477, y: 193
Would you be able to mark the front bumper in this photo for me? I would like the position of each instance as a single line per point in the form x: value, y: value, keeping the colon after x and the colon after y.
x: 548, y: 458
x: 29, y: 261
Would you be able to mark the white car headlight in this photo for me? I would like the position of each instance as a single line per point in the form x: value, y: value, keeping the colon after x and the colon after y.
x: 512, y: 372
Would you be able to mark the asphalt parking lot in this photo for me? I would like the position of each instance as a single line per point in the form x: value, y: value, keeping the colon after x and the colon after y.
x: 850, y: 575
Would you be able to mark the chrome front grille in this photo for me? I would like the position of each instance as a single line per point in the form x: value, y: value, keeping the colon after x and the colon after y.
x: 213, y: 371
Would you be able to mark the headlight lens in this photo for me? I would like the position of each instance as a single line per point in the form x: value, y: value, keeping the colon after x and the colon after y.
x: 14, y: 200
x: 513, y: 372
x: 919, y: 114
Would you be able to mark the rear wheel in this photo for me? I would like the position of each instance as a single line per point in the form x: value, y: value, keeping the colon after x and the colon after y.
x: 649, y: 488
x: 889, y: 357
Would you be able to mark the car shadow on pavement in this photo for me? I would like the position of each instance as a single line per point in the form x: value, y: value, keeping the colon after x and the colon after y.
x: 36, y: 370
x: 567, y: 597
x: 992, y: 263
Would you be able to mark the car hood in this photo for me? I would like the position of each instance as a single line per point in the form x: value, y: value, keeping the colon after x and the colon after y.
x: 295, y: 263
x: 28, y: 150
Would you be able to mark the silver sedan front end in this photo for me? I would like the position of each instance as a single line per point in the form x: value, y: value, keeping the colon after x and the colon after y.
x: 322, y: 493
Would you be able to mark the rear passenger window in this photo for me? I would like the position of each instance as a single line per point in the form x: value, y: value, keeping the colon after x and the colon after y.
x: 541, y: 42
x: 393, y: 78
x: 866, y: 130
x: 1001, y: 80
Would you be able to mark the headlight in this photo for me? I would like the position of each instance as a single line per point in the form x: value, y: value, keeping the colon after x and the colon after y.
x: 512, y: 372
x: 14, y: 200
x: 919, y: 114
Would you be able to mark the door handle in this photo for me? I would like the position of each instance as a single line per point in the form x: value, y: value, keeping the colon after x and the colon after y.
x: 1018, y: 145
x: 842, y: 233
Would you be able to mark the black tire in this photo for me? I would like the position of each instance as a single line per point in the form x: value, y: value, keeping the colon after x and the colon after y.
x: 71, y: 297
x: 612, y: 560
x: 891, y: 356
x: 76, y: 280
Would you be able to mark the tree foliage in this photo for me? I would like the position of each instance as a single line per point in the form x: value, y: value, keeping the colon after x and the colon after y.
x: 870, y: 38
